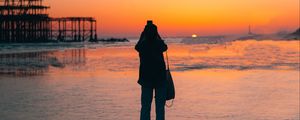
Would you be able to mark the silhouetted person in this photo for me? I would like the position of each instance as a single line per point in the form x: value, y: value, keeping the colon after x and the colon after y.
x: 152, y: 74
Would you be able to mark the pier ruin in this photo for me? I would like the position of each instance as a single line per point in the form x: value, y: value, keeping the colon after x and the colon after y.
x: 27, y: 21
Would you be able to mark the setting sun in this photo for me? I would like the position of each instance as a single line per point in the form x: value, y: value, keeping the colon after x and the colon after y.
x: 194, y: 36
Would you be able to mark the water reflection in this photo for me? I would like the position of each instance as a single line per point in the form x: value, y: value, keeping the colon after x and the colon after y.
x: 71, y: 57
x: 238, y: 55
x: 38, y: 63
x: 100, y: 83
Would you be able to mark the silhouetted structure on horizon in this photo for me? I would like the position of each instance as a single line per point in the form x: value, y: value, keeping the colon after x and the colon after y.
x: 249, y: 30
x: 297, y: 32
x: 74, y: 29
x: 28, y: 21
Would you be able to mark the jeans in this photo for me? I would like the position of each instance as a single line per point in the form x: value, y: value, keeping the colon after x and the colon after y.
x: 160, y: 101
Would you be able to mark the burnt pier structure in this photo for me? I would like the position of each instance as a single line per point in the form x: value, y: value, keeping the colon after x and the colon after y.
x: 27, y: 21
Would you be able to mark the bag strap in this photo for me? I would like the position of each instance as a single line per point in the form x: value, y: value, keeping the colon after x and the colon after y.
x: 167, y: 58
x: 168, y: 68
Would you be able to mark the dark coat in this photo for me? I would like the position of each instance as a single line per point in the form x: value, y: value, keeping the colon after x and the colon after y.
x: 152, y: 65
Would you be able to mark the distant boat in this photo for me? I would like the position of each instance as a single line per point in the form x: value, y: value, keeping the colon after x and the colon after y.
x: 250, y: 35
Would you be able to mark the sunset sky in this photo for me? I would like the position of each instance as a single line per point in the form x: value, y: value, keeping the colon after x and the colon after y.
x: 126, y: 18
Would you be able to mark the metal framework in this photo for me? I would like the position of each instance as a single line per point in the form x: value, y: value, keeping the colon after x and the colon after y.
x: 28, y: 21
x: 75, y: 29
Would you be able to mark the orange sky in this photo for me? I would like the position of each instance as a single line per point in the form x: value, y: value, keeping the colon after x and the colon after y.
x: 125, y: 18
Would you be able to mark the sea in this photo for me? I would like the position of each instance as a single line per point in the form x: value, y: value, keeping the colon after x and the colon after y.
x: 232, y: 80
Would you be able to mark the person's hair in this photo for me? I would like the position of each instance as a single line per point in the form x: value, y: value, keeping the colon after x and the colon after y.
x: 151, y: 32
x: 149, y: 22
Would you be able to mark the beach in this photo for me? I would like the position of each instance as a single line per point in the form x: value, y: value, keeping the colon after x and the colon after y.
x: 237, y: 80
